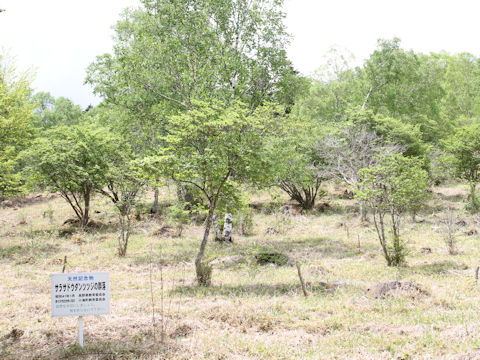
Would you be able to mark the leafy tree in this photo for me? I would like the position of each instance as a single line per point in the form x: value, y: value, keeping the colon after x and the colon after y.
x: 392, y: 130
x: 394, y: 185
x: 51, y: 112
x: 296, y: 161
x: 212, y: 146
x: 169, y: 54
x: 174, y: 52
x: 461, y: 83
x: 73, y: 161
x: 464, y: 146
x: 16, y: 111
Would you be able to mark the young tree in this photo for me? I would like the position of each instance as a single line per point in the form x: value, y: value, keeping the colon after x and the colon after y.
x: 346, y: 153
x: 73, y: 161
x: 16, y: 112
x: 211, y: 146
x: 393, y: 186
x: 124, y: 183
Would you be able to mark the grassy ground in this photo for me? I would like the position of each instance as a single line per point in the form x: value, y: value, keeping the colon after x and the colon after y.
x: 250, y: 311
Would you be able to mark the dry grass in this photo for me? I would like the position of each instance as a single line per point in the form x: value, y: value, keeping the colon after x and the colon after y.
x: 250, y: 311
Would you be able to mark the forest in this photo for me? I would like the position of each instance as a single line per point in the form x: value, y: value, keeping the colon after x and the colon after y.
x: 242, y: 209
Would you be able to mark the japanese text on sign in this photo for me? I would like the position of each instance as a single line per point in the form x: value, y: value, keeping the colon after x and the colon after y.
x: 80, y: 294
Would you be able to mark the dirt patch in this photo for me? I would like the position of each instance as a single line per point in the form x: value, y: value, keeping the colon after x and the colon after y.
x: 394, y: 288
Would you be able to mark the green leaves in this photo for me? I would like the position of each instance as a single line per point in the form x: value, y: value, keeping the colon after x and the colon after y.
x: 396, y: 182
x: 16, y: 111
x: 464, y: 145
x: 210, y: 144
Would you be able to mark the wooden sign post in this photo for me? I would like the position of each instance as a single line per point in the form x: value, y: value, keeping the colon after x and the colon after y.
x: 79, y: 294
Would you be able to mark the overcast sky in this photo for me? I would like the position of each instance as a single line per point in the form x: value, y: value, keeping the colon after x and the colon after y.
x: 60, y: 38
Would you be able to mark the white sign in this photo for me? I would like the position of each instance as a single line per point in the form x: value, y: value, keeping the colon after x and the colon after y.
x: 79, y: 294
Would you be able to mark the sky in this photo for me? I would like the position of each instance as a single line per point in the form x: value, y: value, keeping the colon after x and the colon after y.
x: 58, y: 39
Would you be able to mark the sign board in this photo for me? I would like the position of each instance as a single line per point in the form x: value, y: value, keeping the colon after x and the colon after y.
x: 79, y: 294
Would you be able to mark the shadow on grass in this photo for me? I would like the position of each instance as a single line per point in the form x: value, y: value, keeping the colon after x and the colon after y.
x: 248, y: 290
x: 336, y: 249
x: 438, y: 267
x: 38, y: 250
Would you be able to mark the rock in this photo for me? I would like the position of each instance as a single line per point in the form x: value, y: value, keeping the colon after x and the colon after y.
x: 228, y: 260
x: 384, y: 289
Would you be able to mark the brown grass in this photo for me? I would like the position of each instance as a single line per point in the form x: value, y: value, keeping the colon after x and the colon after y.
x: 250, y: 311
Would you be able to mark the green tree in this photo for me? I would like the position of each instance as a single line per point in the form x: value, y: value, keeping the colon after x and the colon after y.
x: 396, y: 184
x: 462, y: 84
x: 51, y: 112
x: 73, y: 161
x: 296, y: 161
x: 464, y: 147
x: 16, y: 111
x: 211, y: 148
x: 169, y: 54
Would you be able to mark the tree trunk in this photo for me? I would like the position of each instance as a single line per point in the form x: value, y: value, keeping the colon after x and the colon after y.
x: 473, y: 197
x: 124, y: 234
x: 216, y: 227
x: 198, y: 260
x: 86, y: 209
x: 363, y: 210
x: 155, y: 202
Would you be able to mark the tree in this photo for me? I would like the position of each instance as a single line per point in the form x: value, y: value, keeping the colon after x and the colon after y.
x: 464, y: 146
x: 169, y: 54
x: 394, y: 185
x: 354, y: 148
x: 461, y: 83
x: 212, y: 147
x: 124, y: 183
x: 51, y: 112
x: 16, y: 111
x: 73, y: 161
x: 296, y: 160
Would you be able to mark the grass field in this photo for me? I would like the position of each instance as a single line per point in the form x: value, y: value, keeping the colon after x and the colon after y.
x: 250, y: 311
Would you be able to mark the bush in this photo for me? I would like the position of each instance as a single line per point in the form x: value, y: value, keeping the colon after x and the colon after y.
x: 271, y: 257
